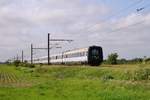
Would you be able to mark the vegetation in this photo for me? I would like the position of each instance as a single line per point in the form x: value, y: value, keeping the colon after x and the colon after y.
x: 112, y: 58
x: 17, y: 63
x: 107, y: 82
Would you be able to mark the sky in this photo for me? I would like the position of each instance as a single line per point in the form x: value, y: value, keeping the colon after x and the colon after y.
x: 115, y: 25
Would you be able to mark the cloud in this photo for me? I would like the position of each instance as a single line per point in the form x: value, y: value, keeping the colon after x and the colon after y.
x: 23, y: 22
x: 28, y: 21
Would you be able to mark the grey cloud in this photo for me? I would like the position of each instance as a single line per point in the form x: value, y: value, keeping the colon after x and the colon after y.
x: 26, y: 21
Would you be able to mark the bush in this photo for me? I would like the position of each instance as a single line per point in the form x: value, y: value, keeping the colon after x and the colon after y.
x: 17, y: 63
x: 147, y: 60
x: 122, y: 61
x: 26, y: 64
x: 107, y: 77
x: 31, y: 65
x: 142, y: 74
x: 41, y: 70
x: 135, y: 61
x: 112, y: 58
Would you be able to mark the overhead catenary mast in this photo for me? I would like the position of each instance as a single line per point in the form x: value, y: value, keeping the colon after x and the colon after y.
x: 56, y: 40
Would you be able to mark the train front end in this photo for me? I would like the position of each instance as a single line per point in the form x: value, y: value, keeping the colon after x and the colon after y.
x: 95, y: 55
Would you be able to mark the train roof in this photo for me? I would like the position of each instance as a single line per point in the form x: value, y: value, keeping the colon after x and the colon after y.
x: 76, y: 51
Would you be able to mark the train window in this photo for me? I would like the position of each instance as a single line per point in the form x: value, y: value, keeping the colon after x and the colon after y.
x: 59, y: 57
x: 78, y: 54
x: 70, y: 55
x: 82, y: 53
x: 46, y: 58
x: 53, y: 57
x: 95, y: 52
x: 74, y: 55
x: 86, y: 53
x: 66, y: 56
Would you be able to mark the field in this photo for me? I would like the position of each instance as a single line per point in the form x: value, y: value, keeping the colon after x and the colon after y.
x: 106, y: 82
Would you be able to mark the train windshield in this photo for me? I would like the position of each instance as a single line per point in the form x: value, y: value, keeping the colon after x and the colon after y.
x: 95, y: 52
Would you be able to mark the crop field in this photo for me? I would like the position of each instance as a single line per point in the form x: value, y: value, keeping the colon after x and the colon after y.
x: 59, y: 82
x: 8, y: 78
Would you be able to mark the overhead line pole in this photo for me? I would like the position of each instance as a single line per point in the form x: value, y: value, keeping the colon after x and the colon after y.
x: 49, y: 40
x: 31, y: 53
x: 48, y: 49
x: 22, y: 56
x: 17, y: 57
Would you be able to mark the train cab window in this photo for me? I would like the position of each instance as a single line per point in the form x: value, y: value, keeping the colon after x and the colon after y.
x: 95, y: 52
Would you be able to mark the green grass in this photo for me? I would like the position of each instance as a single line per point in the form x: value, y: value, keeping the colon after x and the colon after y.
x: 117, y: 82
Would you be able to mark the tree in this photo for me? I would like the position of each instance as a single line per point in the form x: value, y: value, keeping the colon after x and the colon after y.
x: 8, y: 61
x: 122, y: 61
x: 112, y: 58
x: 17, y: 63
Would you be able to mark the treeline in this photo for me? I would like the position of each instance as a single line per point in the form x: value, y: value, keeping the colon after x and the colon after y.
x: 134, y: 61
x: 113, y: 59
x: 18, y: 63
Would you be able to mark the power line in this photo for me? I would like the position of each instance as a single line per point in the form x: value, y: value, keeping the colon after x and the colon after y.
x: 135, y: 24
x: 118, y: 29
x: 114, y: 14
x: 125, y: 9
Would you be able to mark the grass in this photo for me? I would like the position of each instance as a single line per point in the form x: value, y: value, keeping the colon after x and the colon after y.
x: 107, y: 82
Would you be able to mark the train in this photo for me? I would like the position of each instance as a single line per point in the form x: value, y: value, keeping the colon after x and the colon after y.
x: 92, y: 55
